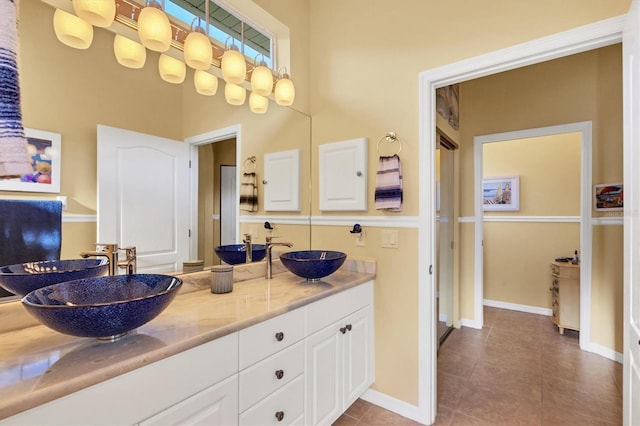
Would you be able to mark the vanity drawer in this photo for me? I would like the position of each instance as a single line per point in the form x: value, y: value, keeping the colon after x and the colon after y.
x: 268, y: 337
x: 265, y: 377
x: 283, y: 407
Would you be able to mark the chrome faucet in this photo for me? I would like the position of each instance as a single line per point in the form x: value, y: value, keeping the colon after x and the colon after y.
x: 248, y: 248
x: 130, y: 264
x: 269, y: 245
x: 110, y: 251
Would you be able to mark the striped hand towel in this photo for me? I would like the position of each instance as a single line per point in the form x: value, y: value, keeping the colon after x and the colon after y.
x: 388, y: 194
x: 14, y: 159
x: 249, y: 192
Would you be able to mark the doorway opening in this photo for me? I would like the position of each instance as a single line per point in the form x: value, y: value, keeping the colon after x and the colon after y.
x: 558, y: 45
x: 198, y: 217
x: 530, y: 138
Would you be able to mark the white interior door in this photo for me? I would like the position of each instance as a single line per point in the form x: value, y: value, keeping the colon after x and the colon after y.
x: 631, y: 90
x: 228, y: 205
x: 143, y: 197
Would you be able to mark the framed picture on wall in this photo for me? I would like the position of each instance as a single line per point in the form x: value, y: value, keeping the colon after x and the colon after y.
x: 44, y: 153
x: 501, y: 193
x: 608, y: 197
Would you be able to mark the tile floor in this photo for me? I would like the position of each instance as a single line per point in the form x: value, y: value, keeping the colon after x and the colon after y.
x: 517, y: 370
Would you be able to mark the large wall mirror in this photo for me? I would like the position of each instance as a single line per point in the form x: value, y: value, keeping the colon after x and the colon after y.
x: 70, y: 91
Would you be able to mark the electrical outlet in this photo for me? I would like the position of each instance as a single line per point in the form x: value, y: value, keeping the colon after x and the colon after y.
x: 390, y: 238
x: 360, y: 240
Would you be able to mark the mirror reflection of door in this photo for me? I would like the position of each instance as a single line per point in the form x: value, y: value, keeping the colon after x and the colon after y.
x: 216, y: 205
x: 445, y: 235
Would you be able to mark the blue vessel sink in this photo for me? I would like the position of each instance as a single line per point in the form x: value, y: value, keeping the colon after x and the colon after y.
x: 104, y: 307
x: 232, y: 254
x: 313, y: 264
x: 23, y: 278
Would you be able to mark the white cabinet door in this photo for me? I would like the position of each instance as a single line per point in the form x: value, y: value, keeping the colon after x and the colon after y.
x: 357, y: 355
x: 217, y: 405
x: 282, y: 181
x: 324, y: 376
x: 343, y: 175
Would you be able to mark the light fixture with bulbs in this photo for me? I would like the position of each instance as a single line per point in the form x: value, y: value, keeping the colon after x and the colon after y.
x: 172, y: 70
x: 71, y: 30
x: 233, y: 64
x: 205, y: 83
x: 234, y: 94
x: 156, y: 31
x: 129, y: 53
x: 197, y: 49
x: 261, y: 78
x: 258, y: 104
x: 154, y: 28
x: 285, y: 91
x: 99, y: 13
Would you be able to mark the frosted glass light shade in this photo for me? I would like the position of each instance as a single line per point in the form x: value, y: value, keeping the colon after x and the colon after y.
x: 197, y: 51
x: 99, y: 13
x: 285, y: 91
x: 129, y: 53
x: 171, y: 69
x: 206, y: 83
x: 154, y: 29
x: 71, y: 30
x: 234, y: 68
x: 234, y: 94
x: 258, y: 104
x: 261, y: 80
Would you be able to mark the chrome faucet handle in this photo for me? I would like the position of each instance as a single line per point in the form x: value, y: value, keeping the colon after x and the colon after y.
x: 247, y: 238
x: 130, y: 252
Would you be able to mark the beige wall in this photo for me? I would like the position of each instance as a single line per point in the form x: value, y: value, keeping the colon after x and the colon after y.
x: 583, y: 87
x: 365, y: 60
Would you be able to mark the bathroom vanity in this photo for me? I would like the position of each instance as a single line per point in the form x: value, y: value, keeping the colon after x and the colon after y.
x: 279, y: 351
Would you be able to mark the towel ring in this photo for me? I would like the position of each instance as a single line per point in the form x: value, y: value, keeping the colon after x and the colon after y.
x: 390, y: 137
x: 251, y: 160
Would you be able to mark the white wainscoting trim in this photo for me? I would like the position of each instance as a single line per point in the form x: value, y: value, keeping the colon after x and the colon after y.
x: 373, y: 221
x: 517, y: 307
x: 276, y: 219
x: 78, y: 218
x: 601, y: 220
x: 392, y: 404
x: 608, y: 220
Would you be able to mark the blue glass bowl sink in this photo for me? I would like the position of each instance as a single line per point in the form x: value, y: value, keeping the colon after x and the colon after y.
x: 232, y: 254
x: 23, y: 278
x: 104, y: 307
x: 313, y: 264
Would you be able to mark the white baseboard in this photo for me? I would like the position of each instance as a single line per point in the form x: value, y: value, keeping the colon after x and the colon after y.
x: 605, y: 352
x: 517, y: 307
x: 466, y: 322
x: 443, y: 318
x: 392, y: 404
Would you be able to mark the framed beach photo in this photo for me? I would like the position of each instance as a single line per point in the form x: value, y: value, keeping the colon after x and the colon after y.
x: 44, y: 153
x: 501, y: 193
x: 608, y: 197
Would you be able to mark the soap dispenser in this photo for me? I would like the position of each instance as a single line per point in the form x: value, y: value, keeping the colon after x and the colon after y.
x: 575, y: 259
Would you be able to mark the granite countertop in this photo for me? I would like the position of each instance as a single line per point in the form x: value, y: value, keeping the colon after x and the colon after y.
x: 38, y: 364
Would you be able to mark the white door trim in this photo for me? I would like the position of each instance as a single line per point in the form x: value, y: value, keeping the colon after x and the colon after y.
x: 203, y: 139
x: 592, y: 36
x: 586, y: 230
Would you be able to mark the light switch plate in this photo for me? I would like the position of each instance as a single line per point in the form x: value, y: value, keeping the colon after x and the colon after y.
x: 360, y: 240
x: 390, y: 238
